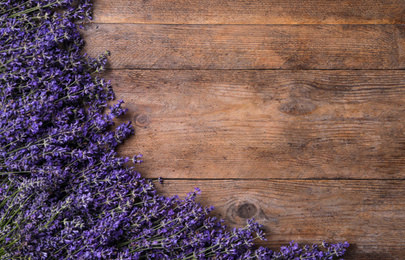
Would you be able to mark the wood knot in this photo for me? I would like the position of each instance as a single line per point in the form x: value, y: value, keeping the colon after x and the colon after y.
x: 240, y: 210
x: 246, y: 210
x: 142, y: 120
x: 297, y: 107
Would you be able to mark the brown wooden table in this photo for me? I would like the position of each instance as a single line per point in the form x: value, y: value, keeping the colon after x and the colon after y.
x: 288, y: 111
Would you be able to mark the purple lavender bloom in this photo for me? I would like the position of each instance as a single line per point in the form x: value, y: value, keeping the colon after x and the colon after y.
x: 66, y: 193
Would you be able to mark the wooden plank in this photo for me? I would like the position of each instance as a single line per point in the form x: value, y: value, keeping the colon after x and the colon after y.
x: 370, y: 214
x: 250, y: 12
x: 139, y: 46
x: 266, y: 124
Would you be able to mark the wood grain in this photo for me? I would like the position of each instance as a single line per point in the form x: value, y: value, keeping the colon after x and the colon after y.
x: 250, y: 12
x: 266, y: 124
x: 291, y: 112
x: 368, y: 213
x: 145, y: 46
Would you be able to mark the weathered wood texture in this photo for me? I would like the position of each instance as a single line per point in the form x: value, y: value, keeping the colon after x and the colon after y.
x: 267, y: 105
x: 250, y: 11
x: 266, y: 124
x: 369, y: 214
x: 140, y: 46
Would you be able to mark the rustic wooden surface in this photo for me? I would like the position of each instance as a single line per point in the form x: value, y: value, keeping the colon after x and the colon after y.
x: 151, y: 46
x: 266, y: 124
x: 250, y: 11
x: 369, y: 213
x: 291, y: 112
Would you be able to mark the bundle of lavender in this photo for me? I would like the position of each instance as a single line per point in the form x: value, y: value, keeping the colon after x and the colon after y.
x: 65, y: 193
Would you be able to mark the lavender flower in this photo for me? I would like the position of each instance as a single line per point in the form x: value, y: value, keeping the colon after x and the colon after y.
x: 66, y: 194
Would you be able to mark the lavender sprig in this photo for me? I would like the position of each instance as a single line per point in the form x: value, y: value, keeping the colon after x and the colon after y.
x: 65, y: 193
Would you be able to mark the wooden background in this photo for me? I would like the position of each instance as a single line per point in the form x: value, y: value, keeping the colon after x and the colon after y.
x: 288, y: 111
